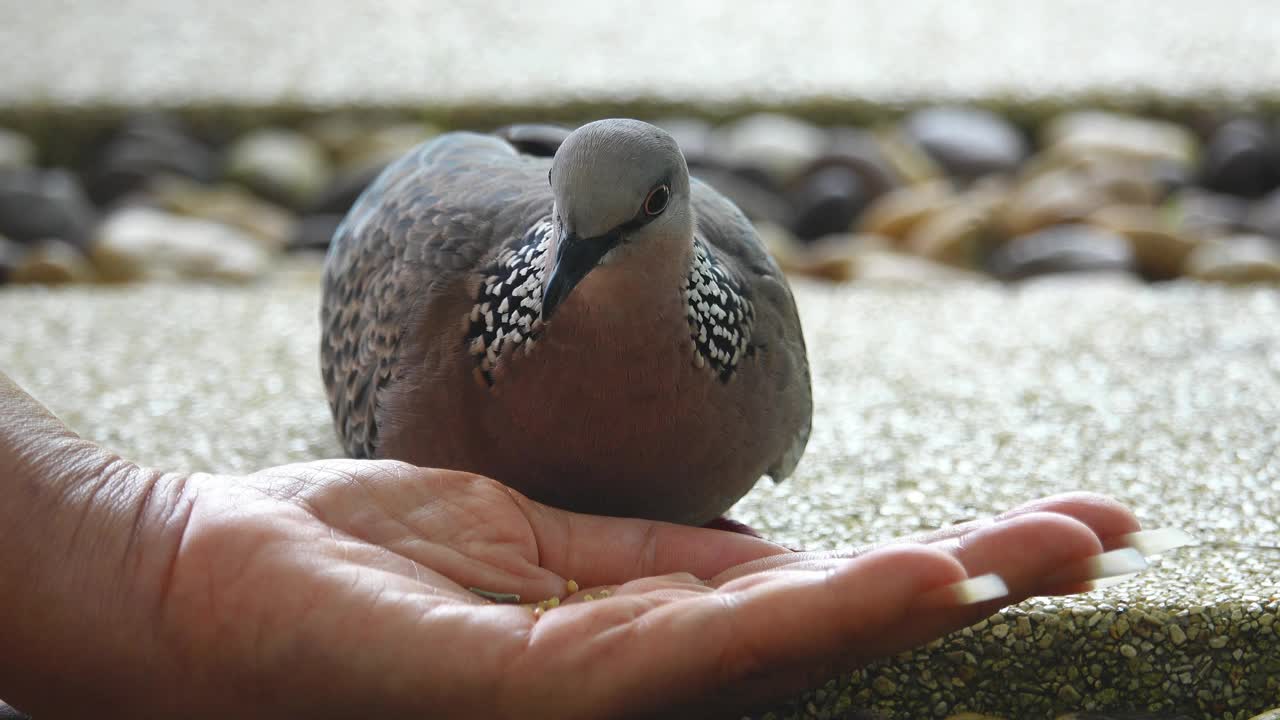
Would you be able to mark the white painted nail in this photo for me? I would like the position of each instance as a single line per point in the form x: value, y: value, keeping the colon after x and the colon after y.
x: 1116, y: 562
x: 970, y: 591
x: 1105, y: 565
x: 1154, y: 542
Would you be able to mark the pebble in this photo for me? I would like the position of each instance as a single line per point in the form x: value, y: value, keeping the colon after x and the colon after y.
x: 1125, y: 181
x: 967, y: 142
x: 16, y: 150
x: 1062, y: 249
x: 38, y: 204
x: 281, y: 165
x: 1051, y: 198
x: 1241, y: 158
x: 315, y: 232
x: 147, y: 146
x: 137, y: 243
x: 336, y: 131
x: 230, y: 205
x: 1205, y: 215
x: 1240, y: 259
x: 344, y: 189
x: 860, y: 151
x: 694, y: 138
x: 1159, y: 250
x: 11, y: 254
x: 828, y: 200
x: 52, y: 262
x: 909, y: 160
x: 958, y: 234
x: 836, y: 258
x: 377, y: 148
x: 897, y: 212
x: 536, y: 139
x: 1264, y: 215
x: 780, y: 145
x: 757, y: 201
x: 1091, y: 132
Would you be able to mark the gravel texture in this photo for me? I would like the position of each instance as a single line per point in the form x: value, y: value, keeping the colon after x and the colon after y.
x: 252, y: 52
x: 933, y: 406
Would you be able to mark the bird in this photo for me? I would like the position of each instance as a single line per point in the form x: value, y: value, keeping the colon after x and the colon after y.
x: 596, y: 330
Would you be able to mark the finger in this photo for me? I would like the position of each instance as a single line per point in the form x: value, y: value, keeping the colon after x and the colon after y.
x: 1029, y: 551
x: 1107, y: 517
x: 595, y: 550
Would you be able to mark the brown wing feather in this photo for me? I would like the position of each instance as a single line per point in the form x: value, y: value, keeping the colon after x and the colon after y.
x: 443, y: 210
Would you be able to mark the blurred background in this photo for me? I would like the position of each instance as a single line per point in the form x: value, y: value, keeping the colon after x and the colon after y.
x: 893, y: 141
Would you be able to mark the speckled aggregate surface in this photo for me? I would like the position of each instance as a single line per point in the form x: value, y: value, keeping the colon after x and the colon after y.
x: 933, y: 406
x: 254, y: 52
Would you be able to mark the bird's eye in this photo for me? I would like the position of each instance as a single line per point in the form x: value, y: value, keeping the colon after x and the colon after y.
x: 657, y: 200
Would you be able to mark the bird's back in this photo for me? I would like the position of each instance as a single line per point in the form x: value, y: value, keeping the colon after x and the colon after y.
x: 441, y: 211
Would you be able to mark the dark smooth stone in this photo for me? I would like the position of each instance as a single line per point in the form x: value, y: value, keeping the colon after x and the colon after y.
x: 314, y: 232
x: 1203, y: 214
x: 828, y: 201
x: 1241, y: 158
x: 38, y: 204
x: 779, y: 146
x: 694, y: 138
x: 343, y: 191
x: 11, y: 255
x: 1264, y: 215
x: 757, y: 201
x: 534, y: 138
x: 859, y: 151
x: 147, y: 145
x: 1170, y: 179
x: 1062, y: 249
x: 967, y: 142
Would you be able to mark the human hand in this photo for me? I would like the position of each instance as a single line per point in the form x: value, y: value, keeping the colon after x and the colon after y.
x: 341, y: 588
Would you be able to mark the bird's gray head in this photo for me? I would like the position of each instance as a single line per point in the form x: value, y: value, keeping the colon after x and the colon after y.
x: 618, y: 184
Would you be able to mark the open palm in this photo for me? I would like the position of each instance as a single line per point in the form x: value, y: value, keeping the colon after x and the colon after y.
x: 345, y: 585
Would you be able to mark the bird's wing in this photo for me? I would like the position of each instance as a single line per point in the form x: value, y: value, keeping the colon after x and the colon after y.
x: 777, y: 334
x: 443, y: 210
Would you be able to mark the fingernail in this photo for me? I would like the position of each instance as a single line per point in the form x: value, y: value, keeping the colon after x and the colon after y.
x: 1105, y: 565
x: 1154, y: 542
x: 971, y: 591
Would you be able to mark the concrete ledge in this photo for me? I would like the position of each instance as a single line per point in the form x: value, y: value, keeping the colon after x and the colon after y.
x: 934, y: 406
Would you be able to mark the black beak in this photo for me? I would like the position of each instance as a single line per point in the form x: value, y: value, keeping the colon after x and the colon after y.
x: 575, y: 257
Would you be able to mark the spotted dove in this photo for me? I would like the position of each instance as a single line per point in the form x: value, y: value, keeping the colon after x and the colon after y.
x: 596, y: 330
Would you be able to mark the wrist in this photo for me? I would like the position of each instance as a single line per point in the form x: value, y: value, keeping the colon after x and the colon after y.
x: 79, y: 563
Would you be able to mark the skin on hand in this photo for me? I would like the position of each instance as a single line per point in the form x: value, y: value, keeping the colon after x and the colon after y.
x: 341, y: 588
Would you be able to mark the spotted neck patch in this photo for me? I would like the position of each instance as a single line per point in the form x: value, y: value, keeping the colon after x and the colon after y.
x: 508, y: 307
x: 720, y: 315
x: 507, y: 314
